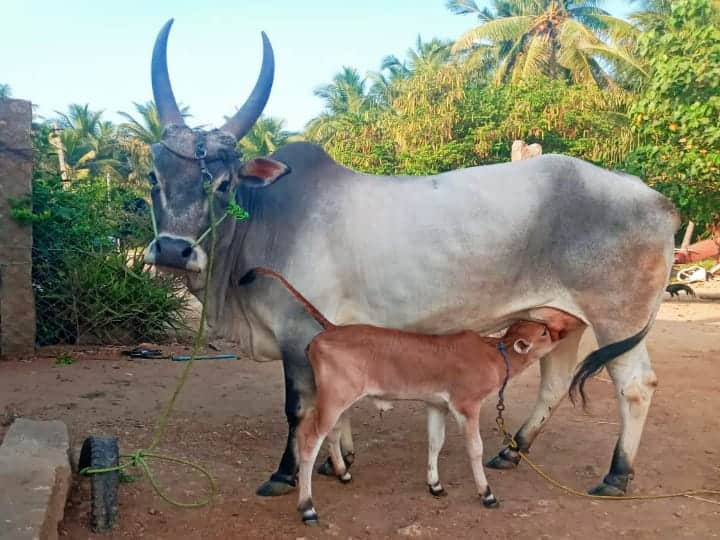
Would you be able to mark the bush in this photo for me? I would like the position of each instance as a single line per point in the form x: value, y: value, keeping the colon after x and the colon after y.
x: 89, y: 279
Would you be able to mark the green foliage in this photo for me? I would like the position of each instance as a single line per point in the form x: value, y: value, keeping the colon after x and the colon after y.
x: 236, y: 211
x: 266, y: 136
x: 64, y: 360
x: 677, y: 116
x: 441, y: 121
x: 90, y: 284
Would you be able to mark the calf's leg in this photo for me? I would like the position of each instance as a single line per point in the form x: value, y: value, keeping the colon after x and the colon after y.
x: 470, y: 422
x: 336, y: 457
x: 436, y: 440
x: 347, y: 447
x: 311, y: 433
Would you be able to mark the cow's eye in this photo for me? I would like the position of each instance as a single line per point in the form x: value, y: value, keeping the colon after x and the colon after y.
x: 224, y: 185
x: 152, y: 178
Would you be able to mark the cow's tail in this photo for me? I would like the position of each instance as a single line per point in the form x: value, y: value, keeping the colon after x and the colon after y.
x: 250, y: 276
x: 595, y: 361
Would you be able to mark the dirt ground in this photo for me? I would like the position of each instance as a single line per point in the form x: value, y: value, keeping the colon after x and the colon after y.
x: 230, y: 419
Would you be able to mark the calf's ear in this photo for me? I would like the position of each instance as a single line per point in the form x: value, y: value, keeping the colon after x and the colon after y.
x: 522, y: 346
x: 261, y: 171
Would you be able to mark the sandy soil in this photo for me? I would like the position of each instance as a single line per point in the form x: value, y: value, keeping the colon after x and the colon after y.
x: 230, y: 419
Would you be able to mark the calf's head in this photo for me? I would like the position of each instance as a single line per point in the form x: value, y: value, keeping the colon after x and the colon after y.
x: 530, y: 339
x: 194, y: 168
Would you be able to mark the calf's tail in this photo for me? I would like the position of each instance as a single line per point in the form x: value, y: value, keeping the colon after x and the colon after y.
x: 595, y: 361
x: 250, y: 276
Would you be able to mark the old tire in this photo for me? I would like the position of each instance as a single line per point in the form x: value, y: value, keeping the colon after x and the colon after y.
x: 102, y: 452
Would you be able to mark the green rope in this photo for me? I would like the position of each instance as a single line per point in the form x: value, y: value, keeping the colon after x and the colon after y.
x: 138, y: 459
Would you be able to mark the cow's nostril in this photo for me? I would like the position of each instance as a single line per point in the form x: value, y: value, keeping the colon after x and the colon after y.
x: 186, y: 252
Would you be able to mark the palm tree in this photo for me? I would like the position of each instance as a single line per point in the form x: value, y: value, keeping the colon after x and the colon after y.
x: 88, y: 144
x: 137, y: 134
x: 346, y: 93
x: 572, y: 39
x: 5, y: 91
x: 266, y: 136
x: 80, y: 119
x: 426, y: 55
x: 347, y: 102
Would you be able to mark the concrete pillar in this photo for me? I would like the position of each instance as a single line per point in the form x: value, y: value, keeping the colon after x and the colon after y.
x: 17, y: 305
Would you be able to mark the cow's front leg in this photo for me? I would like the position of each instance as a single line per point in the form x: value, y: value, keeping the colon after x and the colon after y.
x: 556, y: 370
x: 299, y: 395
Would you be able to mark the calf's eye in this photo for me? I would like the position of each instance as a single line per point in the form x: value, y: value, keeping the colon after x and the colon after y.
x: 152, y: 178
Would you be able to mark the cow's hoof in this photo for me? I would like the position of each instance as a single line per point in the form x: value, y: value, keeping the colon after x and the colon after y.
x: 274, y: 488
x: 507, y: 459
x: 437, y: 491
x: 606, y: 490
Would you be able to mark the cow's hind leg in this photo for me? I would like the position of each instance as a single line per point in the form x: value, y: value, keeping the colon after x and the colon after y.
x: 299, y: 394
x: 635, y: 383
x: 556, y: 371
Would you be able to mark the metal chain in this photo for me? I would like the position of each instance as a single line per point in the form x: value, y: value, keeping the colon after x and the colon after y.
x: 508, y: 439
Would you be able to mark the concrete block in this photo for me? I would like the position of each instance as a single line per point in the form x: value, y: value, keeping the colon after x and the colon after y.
x: 35, y: 479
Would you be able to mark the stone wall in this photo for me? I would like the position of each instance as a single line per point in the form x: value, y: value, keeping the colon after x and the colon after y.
x: 17, y: 306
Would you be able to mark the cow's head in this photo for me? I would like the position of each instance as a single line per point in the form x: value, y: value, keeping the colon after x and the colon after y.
x: 192, y: 167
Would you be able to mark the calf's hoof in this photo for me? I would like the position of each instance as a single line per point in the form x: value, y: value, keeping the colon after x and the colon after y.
x: 437, y: 491
x: 489, y: 500
x: 345, y: 478
x: 312, y: 521
x: 327, y: 469
x: 506, y: 459
x: 277, y: 485
x: 308, y: 513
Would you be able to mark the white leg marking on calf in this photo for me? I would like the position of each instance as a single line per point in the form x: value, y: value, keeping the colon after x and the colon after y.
x: 474, y: 446
x: 346, y: 440
x: 436, y: 440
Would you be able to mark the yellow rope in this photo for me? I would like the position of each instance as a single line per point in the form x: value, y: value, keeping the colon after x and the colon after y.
x: 512, y: 444
x: 690, y: 494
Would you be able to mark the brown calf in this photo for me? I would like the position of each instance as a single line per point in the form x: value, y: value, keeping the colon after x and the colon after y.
x: 449, y: 372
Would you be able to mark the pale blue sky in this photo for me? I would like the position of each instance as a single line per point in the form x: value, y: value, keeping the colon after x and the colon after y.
x: 55, y: 52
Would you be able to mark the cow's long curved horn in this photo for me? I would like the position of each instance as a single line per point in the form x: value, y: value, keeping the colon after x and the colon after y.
x: 244, y: 119
x: 168, y: 111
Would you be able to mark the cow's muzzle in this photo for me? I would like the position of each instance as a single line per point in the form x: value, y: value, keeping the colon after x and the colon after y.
x: 176, y: 253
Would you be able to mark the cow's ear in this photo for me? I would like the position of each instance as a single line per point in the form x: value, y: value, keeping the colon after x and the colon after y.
x: 522, y: 346
x: 261, y: 171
